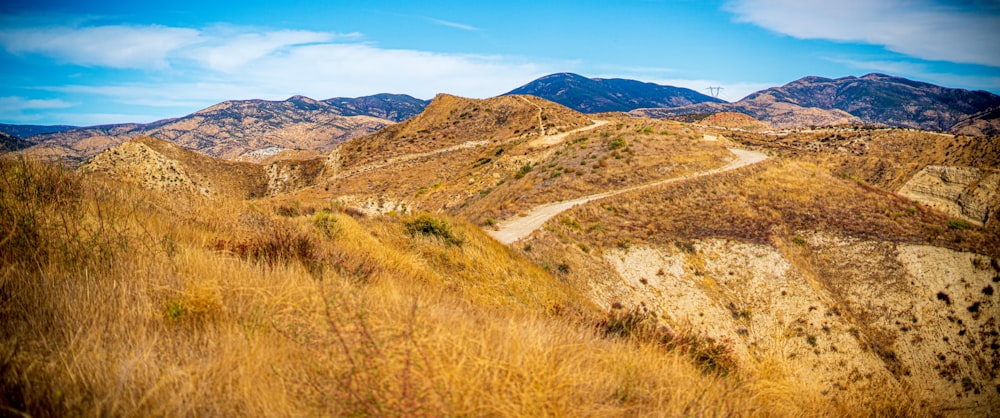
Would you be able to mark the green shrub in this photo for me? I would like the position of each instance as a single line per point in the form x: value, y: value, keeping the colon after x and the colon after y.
x: 959, y: 224
x: 525, y: 169
x: 427, y: 225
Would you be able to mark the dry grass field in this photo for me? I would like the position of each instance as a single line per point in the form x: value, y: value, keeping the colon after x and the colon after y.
x: 119, y: 301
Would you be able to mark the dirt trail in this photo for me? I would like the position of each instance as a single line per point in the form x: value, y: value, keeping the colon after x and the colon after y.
x: 557, y: 138
x: 408, y: 157
x: 535, y: 143
x: 514, y: 229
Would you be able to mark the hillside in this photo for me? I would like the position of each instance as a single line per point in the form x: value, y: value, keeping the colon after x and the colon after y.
x: 251, y: 128
x: 123, y: 300
x: 9, y: 143
x: 835, y: 272
x: 985, y: 123
x: 733, y: 120
x: 873, y: 99
x: 595, y: 95
x: 161, y: 165
x: 487, y: 159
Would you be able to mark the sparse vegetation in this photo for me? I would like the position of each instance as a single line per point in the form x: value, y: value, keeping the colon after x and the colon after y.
x: 118, y: 300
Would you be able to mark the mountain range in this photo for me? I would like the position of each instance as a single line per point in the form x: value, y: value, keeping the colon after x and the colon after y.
x: 25, y: 131
x: 243, y: 129
x: 252, y: 130
x: 873, y: 99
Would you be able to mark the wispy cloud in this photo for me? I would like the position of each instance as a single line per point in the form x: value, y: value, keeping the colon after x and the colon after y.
x: 20, y: 109
x: 230, y: 53
x: 116, y: 46
x: 12, y: 103
x: 191, y: 68
x: 962, y: 32
x: 455, y: 25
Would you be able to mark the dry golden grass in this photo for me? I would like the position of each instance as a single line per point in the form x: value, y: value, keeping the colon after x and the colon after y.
x: 123, y: 302
x: 450, y: 120
x: 624, y: 153
x: 757, y: 203
x: 883, y: 157
x: 499, y: 179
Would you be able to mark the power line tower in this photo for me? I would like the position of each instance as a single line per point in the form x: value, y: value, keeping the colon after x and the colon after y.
x: 714, y: 91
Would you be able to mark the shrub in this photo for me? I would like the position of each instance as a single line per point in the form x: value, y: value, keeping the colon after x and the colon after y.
x: 277, y: 246
x: 427, y: 225
x: 959, y: 224
x: 524, y: 170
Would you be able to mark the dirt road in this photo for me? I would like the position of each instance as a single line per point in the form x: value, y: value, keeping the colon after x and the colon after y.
x: 514, y: 229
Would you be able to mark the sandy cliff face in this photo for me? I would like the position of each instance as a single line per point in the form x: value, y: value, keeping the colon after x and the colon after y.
x: 847, y: 313
x: 968, y: 193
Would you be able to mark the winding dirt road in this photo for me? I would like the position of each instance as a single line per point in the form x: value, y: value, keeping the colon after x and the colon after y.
x: 514, y: 229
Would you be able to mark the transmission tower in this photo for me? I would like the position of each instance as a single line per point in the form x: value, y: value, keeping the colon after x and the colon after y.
x: 714, y: 91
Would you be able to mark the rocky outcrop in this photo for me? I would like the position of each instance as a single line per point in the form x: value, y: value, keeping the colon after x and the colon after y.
x: 963, y: 192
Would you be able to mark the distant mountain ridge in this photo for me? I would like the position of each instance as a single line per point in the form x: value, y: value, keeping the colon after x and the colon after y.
x: 595, y: 95
x: 873, y: 99
x: 233, y: 128
x: 24, y: 131
x: 883, y: 99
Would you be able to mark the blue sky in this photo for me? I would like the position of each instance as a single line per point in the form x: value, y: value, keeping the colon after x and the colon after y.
x: 86, y: 63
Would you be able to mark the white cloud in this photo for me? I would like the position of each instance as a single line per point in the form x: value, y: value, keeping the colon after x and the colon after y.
x: 23, y: 110
x: 230, y: 53
x: 17, y: 104
x: 919, y: 28
x: 116, y: 46
x: 328, y: 70
x: 455, y: 25
x: 224, y: 62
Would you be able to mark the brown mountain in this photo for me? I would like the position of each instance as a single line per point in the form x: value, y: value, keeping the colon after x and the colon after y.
x: 231, y: 129
x: 873, y: 99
